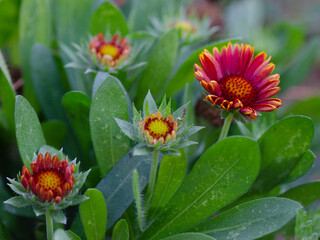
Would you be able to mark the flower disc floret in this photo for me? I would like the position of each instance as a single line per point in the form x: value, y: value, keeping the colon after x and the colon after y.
x: 156, y: 129
x: 49, y: 179
x: 237, y: 81
x: 109, y: 53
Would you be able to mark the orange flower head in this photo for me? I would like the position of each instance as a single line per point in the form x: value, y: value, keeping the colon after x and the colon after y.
x: 49, y: 179
x: 110, y: 53
x: 235, y: 80
x: 157, y: 129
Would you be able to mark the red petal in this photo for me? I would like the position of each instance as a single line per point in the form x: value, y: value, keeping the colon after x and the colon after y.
x: 256, y: 62
x: 264, y: 107
x: 208, y: 65
x: 268, y: 85
x: 264, y: 73
x: 47, y: 161
x: 268, y: 93
x: 235, y: 59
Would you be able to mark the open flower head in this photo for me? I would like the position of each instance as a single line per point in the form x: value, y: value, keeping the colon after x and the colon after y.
x: 237, y: 81
x: 158, y: 129
x: 109, y: 53
x: 49, y: 183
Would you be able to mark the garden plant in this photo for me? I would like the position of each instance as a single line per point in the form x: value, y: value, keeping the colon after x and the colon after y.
x: 143, y: 120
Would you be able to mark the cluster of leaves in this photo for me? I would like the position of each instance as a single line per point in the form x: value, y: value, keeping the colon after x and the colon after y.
x: 227, y: 190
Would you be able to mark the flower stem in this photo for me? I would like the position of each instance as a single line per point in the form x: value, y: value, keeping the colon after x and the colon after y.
x: 49, y: 225
x: 225, y: 127
x: 153, y: 174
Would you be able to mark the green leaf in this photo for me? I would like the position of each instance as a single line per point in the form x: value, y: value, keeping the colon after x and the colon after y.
x: 54, y: 132
x: 185, y: 73
x: 279, y: 155
x: 128, y: 129
x: 116, y: 186
x: 60, y: 234
x: 307, y: 107
x: 302, y: 167
x: 108, y: 18
x: 120, y: 230
x: 72, y: 22
x: 138, y: 198
x: 58, y: 217
x: 300, y: 66
x: 93, y: 213
x: 149, y: 105
x: 189, y: 236
x: 160, y: 64
x: 28, y: 130
x: 4, y: 233
x: 77, y: 107
x: 46, y: 82
x: 109, y: 143
x: 303, y: 228
x: 170, y: 176
x: 250, y: 220
x: 7, y: 93
x: 221, y: 175
x: 305, y: 194
x: 34, y: 26
x: 18, y: 201
x: 72, y: 235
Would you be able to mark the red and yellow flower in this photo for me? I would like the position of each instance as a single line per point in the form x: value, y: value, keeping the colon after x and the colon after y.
x: 156, y: 129
x: 49, y: 179
x: 235, y: 80
x: 109, y: 53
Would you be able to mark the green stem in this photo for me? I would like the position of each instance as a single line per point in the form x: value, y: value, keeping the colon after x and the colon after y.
x: 49, y: 225
x: 225, y: 127
x: 153, y: 174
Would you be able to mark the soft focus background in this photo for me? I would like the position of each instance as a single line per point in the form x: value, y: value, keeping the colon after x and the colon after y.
x: 287, y: 30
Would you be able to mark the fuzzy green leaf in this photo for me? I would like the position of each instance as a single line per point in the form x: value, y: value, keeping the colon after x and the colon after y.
x: 7, y: 93
x: 189, y: 236
x: 93, y: 213
x: 160, y: 64
x: 46, y: 82
x: 77, y: 107
x: 221, y: 175
x: 305, y: 194
x: 58, y: 217
x: 72, y: 235
x: 28, y: 130
x: 116, y: 186
x: 34, y: 26
x: 18, y: 201
x: 170, y: 176
x: 138, y: 198
x: 250, y: 220
x: 54, y: 132
x: 280, y: 155
x: 120, y: 230
x: 149, y: 105
x: 128, y: 129
x: 109, y: 143
x: 108, y: 18
x: 60, y: 234
x: 302, y: 167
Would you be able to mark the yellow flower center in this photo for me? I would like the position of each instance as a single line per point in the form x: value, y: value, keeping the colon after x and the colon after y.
x: 158, y: 128
x: 184, y: 26
x: 49, y: 180
x: 235, y: 87
x: 110, y: 50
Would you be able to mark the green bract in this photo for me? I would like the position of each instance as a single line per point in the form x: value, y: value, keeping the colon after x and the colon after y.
x: 158, y: 129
